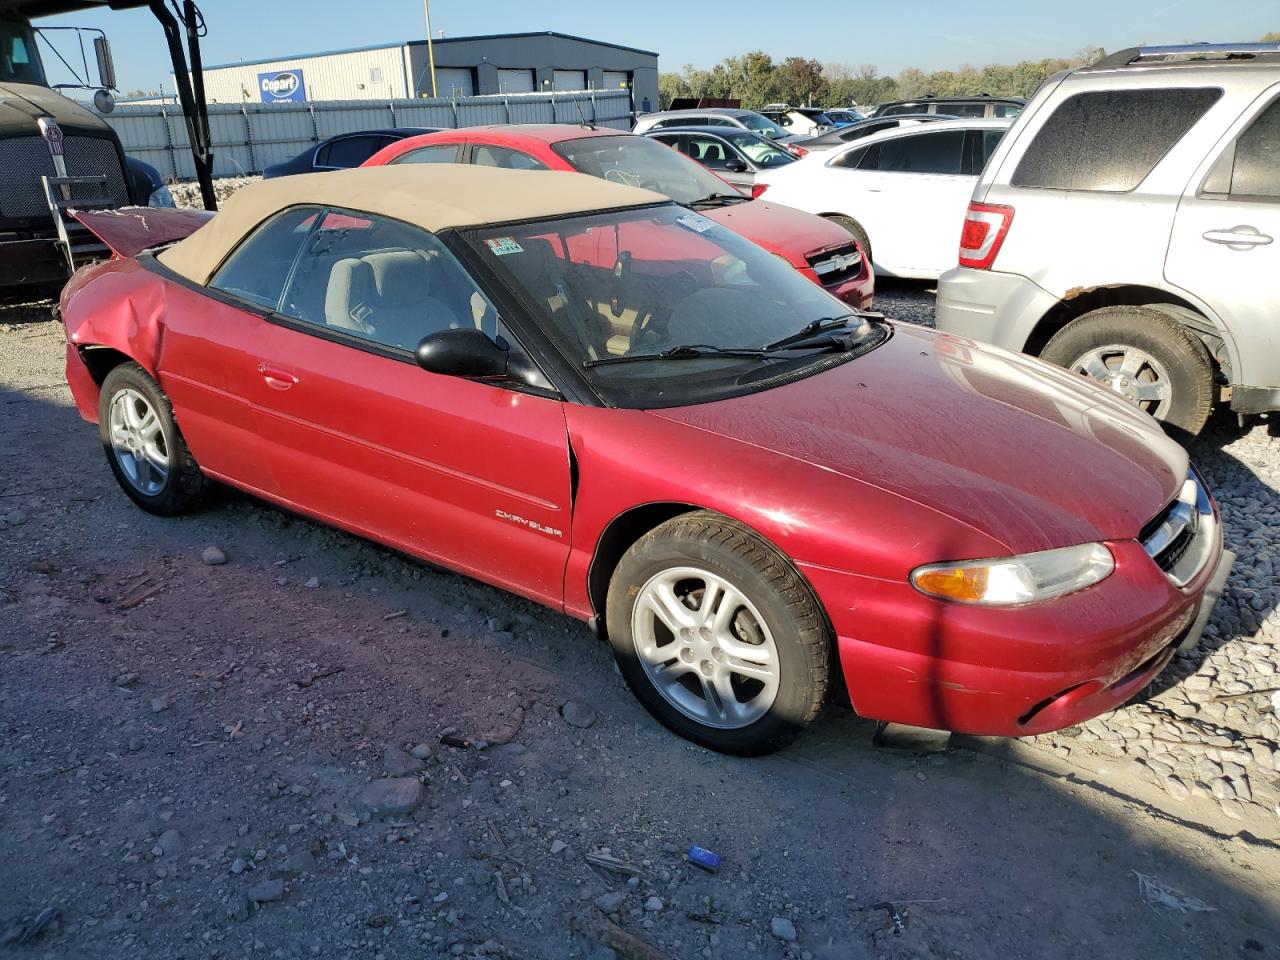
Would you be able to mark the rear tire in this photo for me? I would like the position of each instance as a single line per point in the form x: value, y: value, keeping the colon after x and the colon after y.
x: 144, y: 447
x: 1145, y: 356
x: 718, y: 636
x: 855, y: 228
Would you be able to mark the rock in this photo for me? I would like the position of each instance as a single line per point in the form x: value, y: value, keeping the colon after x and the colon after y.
x: 170, y: 843
x: 237, y: 866
x: 267, y: 891
x: 1222, y: 789
x: 580, y: 715
x: 610, y: 903
x: 213, y: 556
x: 653, y: 905
x: 397, y: 763
x: 783, y: 929
x: 421, y: 752
x: 1199, y: 683
x: 392, y: 797
x: 557, y: 846
x: 297, y: 863
x: 161, y: 704
x: 238, y: 908
x: 1176, y: 788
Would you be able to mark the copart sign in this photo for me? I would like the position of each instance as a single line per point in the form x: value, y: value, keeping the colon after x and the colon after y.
x: 282, y: 86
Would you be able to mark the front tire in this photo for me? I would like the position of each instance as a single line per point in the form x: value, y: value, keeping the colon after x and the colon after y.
x: 1145, y: 356
x: 718, y: 636
x: 144, y: 447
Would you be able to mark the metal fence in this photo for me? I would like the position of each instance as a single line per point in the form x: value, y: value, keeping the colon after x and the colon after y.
x: 248, y: 137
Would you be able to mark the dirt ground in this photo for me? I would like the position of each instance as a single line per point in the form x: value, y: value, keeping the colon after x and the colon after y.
x: 185, y: 747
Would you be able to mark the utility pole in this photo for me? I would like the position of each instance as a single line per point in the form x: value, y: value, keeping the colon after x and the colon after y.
x: 431, y: 53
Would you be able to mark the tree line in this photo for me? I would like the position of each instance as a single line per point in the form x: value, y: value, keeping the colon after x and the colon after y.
x: 756, y: 79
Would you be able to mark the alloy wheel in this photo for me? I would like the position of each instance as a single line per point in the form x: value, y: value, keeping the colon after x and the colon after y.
x: 1132, y: 373
x: 137, y: 441
x: 705, y: 647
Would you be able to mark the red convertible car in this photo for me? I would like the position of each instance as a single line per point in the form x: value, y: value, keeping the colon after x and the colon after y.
x: 821, y: 250
x: 750, y: 490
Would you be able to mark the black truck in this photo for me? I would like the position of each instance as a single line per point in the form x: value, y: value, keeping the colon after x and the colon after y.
x: 44, y: 134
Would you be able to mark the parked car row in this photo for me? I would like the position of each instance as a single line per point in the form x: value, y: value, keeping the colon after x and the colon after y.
x: 553, y: 358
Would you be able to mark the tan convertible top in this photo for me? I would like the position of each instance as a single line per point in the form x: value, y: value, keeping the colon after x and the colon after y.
x: 432, y: 196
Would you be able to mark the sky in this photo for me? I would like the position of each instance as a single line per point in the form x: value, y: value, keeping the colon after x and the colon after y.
x: 929, y: 34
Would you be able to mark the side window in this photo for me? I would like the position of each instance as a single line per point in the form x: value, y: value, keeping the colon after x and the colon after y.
x: 483, y: 155
x: 1109, y: 140
x: 440, y: 153
x: 349, y: 152
x: 1250, y: 167
x: 709, y: 151
x: 978, y: 149
x: 966, y: 111
x: 257, y: 270
x: 933, y: 153
x: 1007, y: 110
x: 850, y: 159
x: 900, y: 109
x: 382, y: 281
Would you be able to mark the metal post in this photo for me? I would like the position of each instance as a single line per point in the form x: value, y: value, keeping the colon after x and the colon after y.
x: 194, y: 109
x: 248, y: 139
x: 431, y: 52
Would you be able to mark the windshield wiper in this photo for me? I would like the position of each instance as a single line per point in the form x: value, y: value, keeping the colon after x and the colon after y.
x: 684, y: 351
x: 717, y: 200
x: 814, y: 327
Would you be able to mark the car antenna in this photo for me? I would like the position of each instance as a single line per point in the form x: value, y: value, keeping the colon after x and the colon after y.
x: 582, y: 116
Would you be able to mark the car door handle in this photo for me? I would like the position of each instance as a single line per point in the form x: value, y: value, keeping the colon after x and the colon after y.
x: 276, y: 378
x: 1241, y: 236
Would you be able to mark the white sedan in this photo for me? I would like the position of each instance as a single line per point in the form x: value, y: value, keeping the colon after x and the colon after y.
x: 903, y: 192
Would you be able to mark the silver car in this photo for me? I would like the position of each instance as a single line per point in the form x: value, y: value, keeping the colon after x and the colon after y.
x: 714, y: 117
x: 1128, y: 228
x: 736, y: 155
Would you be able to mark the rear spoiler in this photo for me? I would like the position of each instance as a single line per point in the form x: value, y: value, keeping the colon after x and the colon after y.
x: 130, y: 230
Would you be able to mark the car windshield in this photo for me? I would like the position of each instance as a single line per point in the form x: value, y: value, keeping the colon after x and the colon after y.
x: 641, y: 162
x: 660, y: 306
x: 762, y: 152
x: 19, y: 60
x: 763, y: 126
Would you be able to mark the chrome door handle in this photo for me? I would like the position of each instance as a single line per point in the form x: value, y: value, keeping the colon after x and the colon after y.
x: 1241, y: 236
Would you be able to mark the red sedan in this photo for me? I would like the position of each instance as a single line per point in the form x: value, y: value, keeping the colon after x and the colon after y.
x: 823, y: 251
x: 750, y: 490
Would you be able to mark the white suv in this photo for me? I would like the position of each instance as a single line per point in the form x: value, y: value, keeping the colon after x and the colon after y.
x: 1128, y: 228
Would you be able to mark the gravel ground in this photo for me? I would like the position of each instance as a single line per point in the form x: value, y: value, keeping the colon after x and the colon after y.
x: 231, y: 735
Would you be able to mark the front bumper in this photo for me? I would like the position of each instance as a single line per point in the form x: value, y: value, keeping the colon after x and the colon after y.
x: 999, y: 308
x: 1015, y: 671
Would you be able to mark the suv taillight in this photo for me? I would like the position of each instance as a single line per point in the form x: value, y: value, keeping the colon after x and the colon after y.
x: 985, y: 227
x: 796, y: 151
x: 758, y: 189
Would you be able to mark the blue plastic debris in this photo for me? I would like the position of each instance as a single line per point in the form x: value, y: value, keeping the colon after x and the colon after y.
x: 705, y: 859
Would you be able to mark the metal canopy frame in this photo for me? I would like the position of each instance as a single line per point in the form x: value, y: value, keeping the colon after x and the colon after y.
x: 176, y: 17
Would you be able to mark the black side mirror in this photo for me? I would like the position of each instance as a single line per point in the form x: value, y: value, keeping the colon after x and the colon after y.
x: 471, y: 353
x: 465, y: 352
x: 736, y: 165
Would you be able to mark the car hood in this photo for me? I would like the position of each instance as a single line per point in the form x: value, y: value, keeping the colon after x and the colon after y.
x: 782, y: 230
x: 22, y: 103
x: 1018, y: 450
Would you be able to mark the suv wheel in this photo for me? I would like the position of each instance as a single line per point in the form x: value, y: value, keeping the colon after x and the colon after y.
x: 1143, y: 355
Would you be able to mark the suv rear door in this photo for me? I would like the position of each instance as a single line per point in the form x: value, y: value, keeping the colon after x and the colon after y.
x: 1225, y: 246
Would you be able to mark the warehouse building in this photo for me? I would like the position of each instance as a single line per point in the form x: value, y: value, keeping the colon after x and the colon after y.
x: 464, y: 66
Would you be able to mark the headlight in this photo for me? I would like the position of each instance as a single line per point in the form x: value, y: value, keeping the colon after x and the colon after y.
x: 161, y: 197
x: 1006, y: 581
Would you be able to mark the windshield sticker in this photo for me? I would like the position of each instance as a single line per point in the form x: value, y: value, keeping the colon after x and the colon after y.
x: 501, y: 246
x: 695, y: 222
